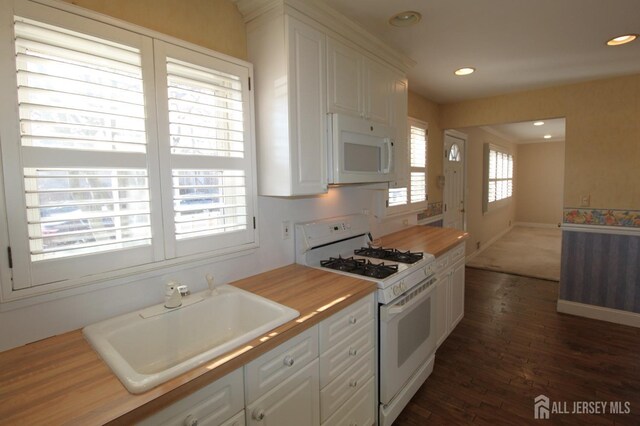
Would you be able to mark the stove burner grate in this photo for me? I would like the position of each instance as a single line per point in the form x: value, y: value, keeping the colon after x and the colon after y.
x: 390, y: 254
x: 360, y: 267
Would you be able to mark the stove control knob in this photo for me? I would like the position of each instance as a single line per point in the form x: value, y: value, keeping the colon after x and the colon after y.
x: 396, y: 290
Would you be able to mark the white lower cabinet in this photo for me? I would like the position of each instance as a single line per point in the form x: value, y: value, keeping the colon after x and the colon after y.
x: 219, y: 403
x: 449, y: 291
x: 293, y: 402
x: 348, y: 362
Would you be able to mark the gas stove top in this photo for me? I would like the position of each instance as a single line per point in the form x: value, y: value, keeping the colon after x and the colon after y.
x: 360, y: 267
x: 344, y: 245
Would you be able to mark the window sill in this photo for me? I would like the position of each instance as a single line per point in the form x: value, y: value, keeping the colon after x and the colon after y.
x: 16, y: 299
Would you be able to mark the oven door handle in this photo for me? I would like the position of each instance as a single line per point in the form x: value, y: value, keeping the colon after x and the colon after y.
x: 388, y: 312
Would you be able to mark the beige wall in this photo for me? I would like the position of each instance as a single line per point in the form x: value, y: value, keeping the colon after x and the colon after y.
x: 602, y: 151
x: 425, y: 110
x: 215, y: 24
x: 539, y: 182
x: 484, y: 227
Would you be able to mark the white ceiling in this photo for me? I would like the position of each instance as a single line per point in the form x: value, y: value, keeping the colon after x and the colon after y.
x: 526, y: 132
x: 515, y: 45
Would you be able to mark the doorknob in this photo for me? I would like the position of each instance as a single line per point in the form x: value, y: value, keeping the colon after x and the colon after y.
x: 462, y: 210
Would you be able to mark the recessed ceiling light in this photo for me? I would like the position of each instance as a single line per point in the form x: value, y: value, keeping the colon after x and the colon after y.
x: 464, y: 71
x: 547, y: 136
x: 623, y: 39
x: 405, y: 19
x: 538, y: 123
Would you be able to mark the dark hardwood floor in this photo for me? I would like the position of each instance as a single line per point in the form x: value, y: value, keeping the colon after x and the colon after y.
x: 512, y: 346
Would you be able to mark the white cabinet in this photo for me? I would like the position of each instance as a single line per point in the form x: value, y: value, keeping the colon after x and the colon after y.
x: 219, y: 403
x: 357, y: 84
x: 348, y: 363
x: 401, y: 143
x: 282, y: 386
x: 275, y: 366
x: 293, y: 402
x: 289, y: 56
x: 449, y: 291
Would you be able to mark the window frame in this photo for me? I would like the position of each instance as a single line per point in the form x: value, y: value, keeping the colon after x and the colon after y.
x: 12, y: 182
x: 409, y: 206
x: 487, y: 206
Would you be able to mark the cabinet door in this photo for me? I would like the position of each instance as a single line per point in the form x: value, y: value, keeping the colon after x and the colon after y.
x: 442, y: 306
x: 378, y: 91
x: 344, y: 79
x: 401, y: 140
x: 307, y: 108
x: 296, y: 401
x: 457, y: 293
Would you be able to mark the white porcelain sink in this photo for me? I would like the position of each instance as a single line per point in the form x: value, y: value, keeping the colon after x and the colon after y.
x: 144, y: 352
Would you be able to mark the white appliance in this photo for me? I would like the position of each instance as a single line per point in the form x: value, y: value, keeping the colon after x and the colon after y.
x: 359, y: 150
x: 407, y: 303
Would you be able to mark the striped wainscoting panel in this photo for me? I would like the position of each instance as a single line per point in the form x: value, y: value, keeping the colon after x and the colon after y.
x: 602, y: 269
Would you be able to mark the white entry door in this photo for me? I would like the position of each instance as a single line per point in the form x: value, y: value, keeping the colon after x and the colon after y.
x: 454, y: 159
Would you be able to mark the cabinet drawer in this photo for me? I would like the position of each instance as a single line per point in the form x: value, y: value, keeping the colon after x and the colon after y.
x: 456, y: 253
x: 265, y: 372
x: 340, y: 325
x: 346, y: 385
x: 360, y: 410
x: 211, y: 405
x: 346, y: 353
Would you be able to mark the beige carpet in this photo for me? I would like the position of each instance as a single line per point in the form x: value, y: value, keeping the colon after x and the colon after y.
x: 532, y: 252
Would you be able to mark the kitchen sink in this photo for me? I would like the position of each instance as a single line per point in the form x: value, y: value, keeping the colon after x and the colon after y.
x: 150, y: 346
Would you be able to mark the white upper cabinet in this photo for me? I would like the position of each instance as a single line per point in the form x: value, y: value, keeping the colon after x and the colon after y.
x: 399, y: 122
x: 358, y: 85
x: 310, y: 61
x: 291, y: 105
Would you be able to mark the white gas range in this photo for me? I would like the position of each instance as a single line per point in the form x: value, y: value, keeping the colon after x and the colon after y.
x: 406, y: 297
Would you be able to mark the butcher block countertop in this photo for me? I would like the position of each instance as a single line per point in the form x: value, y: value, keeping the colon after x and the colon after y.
x: 62, y: 380
x: 428, y: 239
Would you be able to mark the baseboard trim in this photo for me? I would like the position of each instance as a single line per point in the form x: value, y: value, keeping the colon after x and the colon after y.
x: 538, y: 225
x: 487, y: 244
x: 599, y: 313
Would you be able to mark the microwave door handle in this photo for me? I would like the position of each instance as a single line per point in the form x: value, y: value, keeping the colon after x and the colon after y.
x: 389, y: 143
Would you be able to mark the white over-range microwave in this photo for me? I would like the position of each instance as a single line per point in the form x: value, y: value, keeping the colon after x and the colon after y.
x: 360, y: 150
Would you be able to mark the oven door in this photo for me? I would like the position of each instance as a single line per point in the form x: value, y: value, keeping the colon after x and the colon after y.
x: 407, y: 337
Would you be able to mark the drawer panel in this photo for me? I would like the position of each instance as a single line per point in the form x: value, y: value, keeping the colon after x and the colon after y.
x: 346, y: 353
x: 457, y: 253
x: 442, y: 262
x: 346, y: 385
x: 211, y: 405
x: 359, y: 410
x: 272, y: 368
x: 340, y: 325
